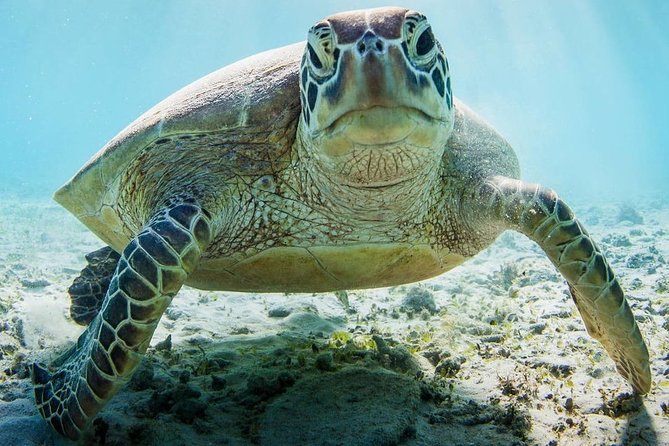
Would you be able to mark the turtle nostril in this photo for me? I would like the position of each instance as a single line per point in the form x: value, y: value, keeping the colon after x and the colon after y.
x: 370, y: 42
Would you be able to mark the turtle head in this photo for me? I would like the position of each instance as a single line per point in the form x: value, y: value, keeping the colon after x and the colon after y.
x: 377, y: 106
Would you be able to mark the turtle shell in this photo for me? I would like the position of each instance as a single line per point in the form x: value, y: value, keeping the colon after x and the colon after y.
x: 242, y: 117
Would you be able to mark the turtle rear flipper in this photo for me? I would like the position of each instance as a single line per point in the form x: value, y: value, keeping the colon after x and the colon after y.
x: 539, y: 213
x: 89, y: 288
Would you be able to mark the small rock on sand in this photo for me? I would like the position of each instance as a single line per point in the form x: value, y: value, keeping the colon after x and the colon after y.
x: 419, y: 299
x: 378, y: 406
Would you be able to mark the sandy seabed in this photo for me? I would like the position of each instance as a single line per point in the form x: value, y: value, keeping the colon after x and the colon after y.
x: 491, y: 353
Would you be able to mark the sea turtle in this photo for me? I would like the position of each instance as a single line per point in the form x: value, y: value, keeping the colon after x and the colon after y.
x: 337, y: 163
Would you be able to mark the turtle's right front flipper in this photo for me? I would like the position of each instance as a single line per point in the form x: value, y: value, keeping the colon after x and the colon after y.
x: 151, y: 270
x: 538, y: 213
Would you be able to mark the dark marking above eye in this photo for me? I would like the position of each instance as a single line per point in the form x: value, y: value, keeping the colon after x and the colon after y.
x: 312, y: 93
x: 438, y: 81
x: 425, y: 42
x: 313, y: 57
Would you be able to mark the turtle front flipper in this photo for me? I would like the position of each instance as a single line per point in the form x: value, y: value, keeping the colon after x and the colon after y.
x: 89, y: 288
x: 151, y: 270
x: 538, y: 213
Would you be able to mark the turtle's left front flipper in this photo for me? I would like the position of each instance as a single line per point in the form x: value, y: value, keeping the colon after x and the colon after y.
x: 538, y: 213
x: 149, y: 273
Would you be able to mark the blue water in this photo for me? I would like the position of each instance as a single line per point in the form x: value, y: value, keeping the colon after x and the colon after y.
x: 580, y: 88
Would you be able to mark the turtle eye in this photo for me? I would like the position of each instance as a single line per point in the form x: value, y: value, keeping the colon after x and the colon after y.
x: 425, y: 42
x: 421, y: 45
x: 321, y: 51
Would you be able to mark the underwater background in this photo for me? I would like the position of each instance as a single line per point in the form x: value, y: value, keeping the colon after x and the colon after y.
x: 493, y: 352
x: 579, y: 88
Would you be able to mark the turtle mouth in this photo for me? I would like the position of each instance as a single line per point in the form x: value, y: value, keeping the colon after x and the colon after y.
x: 381, y: 146
x: 379, y: 118
x: 378, y: 124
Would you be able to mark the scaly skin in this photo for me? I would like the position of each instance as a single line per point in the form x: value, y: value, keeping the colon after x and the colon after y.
x: 538, y: 213
x: 150, y: 272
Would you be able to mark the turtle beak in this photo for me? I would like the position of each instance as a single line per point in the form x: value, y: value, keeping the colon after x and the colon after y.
x: 375, y: 79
